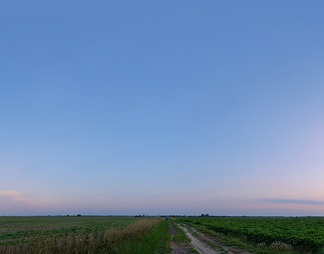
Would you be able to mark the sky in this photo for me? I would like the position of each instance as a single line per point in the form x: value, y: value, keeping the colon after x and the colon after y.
x: 161, y: 107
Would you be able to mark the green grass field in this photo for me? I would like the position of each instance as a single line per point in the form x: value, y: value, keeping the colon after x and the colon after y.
x: 16, y: 228
x: 130, y: 235
x: 83, y: 235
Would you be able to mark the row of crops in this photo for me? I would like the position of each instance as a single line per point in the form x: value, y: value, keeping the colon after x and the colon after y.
x: 83, y: 235
x: 302, y: 233
x: 16, y: 228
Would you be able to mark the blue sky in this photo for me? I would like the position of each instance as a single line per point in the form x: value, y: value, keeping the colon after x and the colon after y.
x: 184, y: 107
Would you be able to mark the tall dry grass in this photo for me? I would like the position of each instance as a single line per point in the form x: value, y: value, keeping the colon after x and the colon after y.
x: 107, y: 241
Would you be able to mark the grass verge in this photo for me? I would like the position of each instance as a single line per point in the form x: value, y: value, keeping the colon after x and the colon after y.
x: 182, y: 240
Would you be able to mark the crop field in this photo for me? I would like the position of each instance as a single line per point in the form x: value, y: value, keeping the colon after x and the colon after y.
x: 281, y: 234
x: 71, y: 234
x: 16, y: 228
x: 125, y: 235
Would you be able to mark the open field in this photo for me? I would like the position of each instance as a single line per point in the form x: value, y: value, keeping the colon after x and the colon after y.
x: 130, y: 235
x: 264, y: 234
x: 16, y: 228
x: 83, y: 235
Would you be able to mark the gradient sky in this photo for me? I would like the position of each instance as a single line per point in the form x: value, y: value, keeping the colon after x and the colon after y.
x: 161, y: 107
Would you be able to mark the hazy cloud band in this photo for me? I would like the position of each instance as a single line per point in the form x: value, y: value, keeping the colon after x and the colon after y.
x: 293, y: 201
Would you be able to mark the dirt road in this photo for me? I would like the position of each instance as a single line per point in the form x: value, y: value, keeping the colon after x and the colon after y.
x: 199, y: 244
x: 178, y: 247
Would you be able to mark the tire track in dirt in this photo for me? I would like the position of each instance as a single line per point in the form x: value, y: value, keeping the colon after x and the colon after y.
x: 228, y: 250
x: 201, y: 247
x: 177, y: 248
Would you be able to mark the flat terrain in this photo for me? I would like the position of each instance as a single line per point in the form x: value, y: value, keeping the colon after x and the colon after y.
x: 179, y: 235
x: 260, y: 234
x: 13, y: 229
x: 198, y: 242
x: 84, y: 235
x: 198, y: 245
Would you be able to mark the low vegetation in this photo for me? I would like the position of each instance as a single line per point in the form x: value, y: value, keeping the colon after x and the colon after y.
x: 141, y: 235
x: 266, y: 234
x: 123, y: 235
x: 180, y: 241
